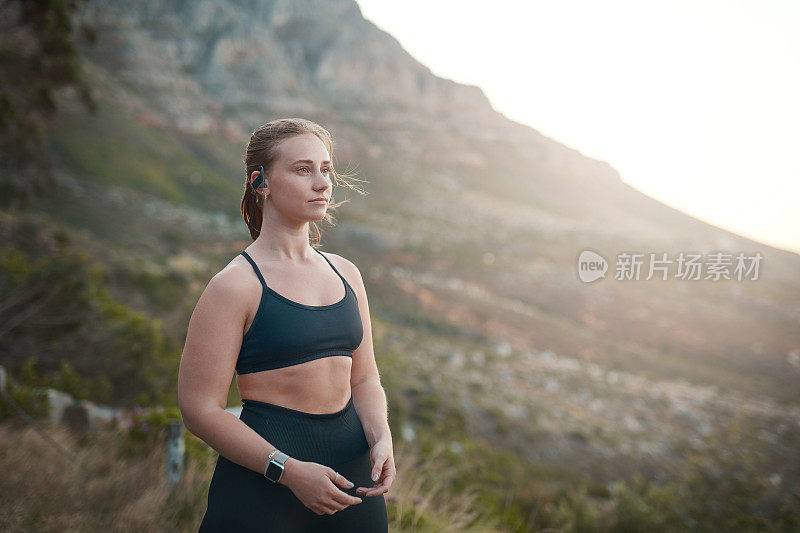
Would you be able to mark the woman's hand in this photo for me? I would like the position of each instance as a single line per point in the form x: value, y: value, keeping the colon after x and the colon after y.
x: 314, y: 485
x: 383, y: 470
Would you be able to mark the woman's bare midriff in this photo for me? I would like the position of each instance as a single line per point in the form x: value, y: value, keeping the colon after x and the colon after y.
x: 317, y: 386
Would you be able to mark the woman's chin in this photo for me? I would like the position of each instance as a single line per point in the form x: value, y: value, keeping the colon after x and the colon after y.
x: 316, y: 218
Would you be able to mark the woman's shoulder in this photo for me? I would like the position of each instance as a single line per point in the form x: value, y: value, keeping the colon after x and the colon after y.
x: 339, y: 261
x: 347, y: 268
x: 234, y: 277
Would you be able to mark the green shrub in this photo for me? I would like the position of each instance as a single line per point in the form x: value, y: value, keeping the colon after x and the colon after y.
x: 33, y: 401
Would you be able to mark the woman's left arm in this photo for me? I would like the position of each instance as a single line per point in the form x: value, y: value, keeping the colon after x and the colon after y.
x: 369, y: 397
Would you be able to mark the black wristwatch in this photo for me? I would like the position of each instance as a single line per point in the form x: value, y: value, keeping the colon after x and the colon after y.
x: 275, y: 466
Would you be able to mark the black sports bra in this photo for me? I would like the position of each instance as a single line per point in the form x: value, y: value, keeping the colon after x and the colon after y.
x: 286, y: 333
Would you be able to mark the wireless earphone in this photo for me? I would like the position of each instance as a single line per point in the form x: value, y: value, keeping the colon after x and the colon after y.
x: 258, y: 181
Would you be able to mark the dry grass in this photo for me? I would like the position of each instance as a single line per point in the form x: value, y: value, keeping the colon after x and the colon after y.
x: 104, y: 491
x: 422, y: 497
x: 43, y: 491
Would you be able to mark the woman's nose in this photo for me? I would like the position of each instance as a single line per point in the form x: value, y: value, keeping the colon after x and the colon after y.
x: 322, y: 177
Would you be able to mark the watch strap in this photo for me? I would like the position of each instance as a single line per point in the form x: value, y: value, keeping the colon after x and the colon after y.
x: 275, y: 466
x: 273, y: 452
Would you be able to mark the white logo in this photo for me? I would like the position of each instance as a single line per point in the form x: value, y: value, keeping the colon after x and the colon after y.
x: 591, y: 266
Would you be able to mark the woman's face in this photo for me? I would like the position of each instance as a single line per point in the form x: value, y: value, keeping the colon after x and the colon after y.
x: 301, y: 174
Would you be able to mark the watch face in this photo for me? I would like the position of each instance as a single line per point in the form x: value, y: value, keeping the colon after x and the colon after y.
x: 274, y: 471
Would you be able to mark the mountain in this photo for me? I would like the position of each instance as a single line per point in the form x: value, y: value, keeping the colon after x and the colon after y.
x: 468, y: 239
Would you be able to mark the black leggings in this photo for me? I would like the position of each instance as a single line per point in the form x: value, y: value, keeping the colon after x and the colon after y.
x: 242, y: 500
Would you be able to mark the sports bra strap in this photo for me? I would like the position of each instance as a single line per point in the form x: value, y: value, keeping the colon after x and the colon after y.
x: 253, y: 263
x: 331, y: 264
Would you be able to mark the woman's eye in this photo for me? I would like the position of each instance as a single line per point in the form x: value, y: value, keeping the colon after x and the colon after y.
x: 306, y: 169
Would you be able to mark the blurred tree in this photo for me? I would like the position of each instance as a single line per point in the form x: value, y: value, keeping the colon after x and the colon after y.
x: 55, y: 308
x: 38, y: 56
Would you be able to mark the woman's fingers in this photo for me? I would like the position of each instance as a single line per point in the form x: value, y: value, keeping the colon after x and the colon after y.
x: 384, y: 482
x: 339, y: 496
x: 338, y: 501
x: 380, y: 488
x: 377, y: 470
x: 340, y: 480
x: 345, y: 499
x: 380, y: 470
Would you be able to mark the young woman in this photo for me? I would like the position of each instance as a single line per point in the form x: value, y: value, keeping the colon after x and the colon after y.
x: 312, y: 450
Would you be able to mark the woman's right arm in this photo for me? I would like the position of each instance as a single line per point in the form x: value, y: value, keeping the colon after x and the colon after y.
x: 213, y: 340
x: 209, y: 358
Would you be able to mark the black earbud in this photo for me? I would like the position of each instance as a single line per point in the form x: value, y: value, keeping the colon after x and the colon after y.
x: 258, y: 181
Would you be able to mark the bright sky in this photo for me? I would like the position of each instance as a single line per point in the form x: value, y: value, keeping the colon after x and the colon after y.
x: 695, y: 103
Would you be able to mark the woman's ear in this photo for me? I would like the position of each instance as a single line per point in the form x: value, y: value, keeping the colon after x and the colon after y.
x: 257, y: 180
